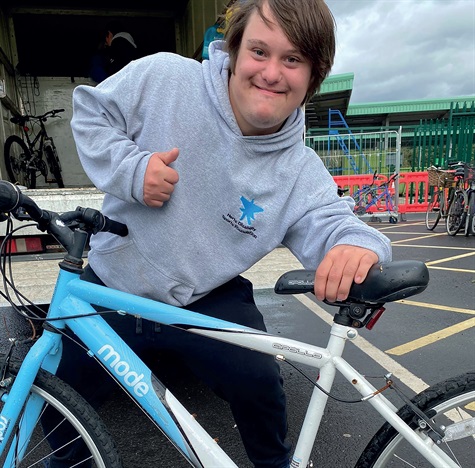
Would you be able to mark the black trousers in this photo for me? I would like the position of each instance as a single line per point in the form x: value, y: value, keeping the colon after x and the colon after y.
x: 249, y: 381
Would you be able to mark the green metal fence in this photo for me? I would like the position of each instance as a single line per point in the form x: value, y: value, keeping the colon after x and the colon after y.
x: 439, y: 142
x: 358, y: 153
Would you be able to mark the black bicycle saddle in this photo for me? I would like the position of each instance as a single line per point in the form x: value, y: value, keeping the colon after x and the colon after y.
x: 386, y: 282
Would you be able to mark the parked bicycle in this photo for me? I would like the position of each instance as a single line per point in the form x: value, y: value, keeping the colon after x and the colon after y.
x: 376, y: 198
x: 470, y: 221
x: 441, y: 193
x: 33, y: 155
x: 436, y: 427
x: 363, y: 195
x: 462, y: 208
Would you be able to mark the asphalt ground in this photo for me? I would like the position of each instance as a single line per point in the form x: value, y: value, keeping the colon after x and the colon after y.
x: 422, y: 340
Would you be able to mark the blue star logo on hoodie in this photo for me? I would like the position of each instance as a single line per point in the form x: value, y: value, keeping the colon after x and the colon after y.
x: 249, y: 209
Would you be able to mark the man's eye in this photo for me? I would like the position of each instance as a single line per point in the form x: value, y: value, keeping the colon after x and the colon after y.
x: 259, y: 52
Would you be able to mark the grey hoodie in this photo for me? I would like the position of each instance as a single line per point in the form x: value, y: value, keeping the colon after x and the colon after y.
x: 238, y: 196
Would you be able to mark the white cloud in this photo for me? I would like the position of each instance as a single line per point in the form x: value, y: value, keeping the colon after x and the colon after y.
x: 406, y: 49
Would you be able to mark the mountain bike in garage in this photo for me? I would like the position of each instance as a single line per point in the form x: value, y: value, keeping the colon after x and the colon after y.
x: 33, y: 155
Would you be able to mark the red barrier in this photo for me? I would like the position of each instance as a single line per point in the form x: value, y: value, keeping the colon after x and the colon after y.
x: 413, y: 192
x: 413, y: 188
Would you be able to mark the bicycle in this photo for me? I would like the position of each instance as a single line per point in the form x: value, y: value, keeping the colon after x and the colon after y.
x: 27, y: 158
x: 470, y: 222
x: 441, y: 182
x: 373, y: 198
x: 427, y: 423
x: 460, y: 213
x: 469, y: 199
x: 364, y: 195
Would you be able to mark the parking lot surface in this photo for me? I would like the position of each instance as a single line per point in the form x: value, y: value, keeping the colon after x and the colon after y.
x: 422, y: 340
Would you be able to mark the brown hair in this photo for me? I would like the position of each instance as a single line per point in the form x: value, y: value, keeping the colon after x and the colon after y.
x: 308, y: 24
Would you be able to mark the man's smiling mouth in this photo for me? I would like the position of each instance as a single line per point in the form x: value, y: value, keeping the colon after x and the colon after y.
x: 270, y: 91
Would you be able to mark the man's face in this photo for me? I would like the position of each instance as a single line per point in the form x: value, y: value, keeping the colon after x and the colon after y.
x: 109, y: 38
x: 270, y: 79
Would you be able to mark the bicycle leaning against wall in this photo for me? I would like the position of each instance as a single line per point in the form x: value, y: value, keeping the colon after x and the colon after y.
x: 436, y: 427
x: 31, y: 156
x: 461, y: 213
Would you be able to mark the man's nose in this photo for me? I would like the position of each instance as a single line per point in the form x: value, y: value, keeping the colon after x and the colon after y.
x: 272, y: 73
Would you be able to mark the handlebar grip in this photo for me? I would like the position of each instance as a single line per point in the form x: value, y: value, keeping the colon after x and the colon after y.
x: 21, y: 120
x: 115, y: 227
x: 102, y: 223
x: 10, y: 197
x: 57, y: 111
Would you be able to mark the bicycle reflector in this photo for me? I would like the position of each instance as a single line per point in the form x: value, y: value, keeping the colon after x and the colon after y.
x: 374, y: 318
x: 26, y: 129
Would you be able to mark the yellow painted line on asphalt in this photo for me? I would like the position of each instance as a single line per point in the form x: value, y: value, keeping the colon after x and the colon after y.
x: 394, y: 226
x: 432, y: 246
x: 391, y: 227
x: 437, y: 306
x: 449, y: 259
x: 436, y: 336
x: 426, y: 236
x: 432, y: 338
x: 402, y: 232
x: 458, y: 270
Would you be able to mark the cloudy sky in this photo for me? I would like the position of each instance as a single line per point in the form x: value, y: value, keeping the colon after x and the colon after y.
x: 406, y: 49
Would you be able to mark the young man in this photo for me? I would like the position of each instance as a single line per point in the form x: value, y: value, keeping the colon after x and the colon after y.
x: 206, y: 164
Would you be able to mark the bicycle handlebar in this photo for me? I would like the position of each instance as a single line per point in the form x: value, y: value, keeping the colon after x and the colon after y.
x: 61, y: 226
x: 25, y: 118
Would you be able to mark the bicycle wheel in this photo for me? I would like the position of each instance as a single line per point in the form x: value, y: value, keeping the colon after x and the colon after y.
x: 470, y: 221
x: 54, y: 165
x: 434, y: 210
x: 17, y: 162
x: 84, y: 437
x: 361, y: 203
x: 446, y: 403
x: 456, y: 215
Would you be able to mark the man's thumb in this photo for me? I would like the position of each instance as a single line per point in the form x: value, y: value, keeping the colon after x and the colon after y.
x: 169, y: 156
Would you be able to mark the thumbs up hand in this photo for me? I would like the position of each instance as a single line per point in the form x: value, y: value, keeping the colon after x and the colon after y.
x: 160, y: 178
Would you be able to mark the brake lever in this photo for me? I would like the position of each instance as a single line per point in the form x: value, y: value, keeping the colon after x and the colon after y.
x: 21, y: 214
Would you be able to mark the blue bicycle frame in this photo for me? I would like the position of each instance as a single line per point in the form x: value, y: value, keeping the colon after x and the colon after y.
x: 74, y: 297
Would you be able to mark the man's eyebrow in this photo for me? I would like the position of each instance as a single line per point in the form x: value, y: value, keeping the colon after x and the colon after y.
x: 256, y: 43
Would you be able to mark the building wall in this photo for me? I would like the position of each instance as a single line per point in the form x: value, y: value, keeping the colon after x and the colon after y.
x: 199, y: 16
x: 8, y: 95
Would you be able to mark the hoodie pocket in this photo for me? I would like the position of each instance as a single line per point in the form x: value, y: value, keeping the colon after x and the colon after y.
x: 125, y: 268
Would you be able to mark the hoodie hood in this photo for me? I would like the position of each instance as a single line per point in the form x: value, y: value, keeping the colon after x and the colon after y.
x: 126, y: 36
x: 216, y: 77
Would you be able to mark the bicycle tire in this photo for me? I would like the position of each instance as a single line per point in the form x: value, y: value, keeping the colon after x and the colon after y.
x: 456, y: 215
x: 434, y: 211
x: 54, y: 165
x: 16, y: 155
x: 472, y: 224
x: 470, y: 221
x: 389, y: 448
x: 361, y: 203
x: 67, y: 412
